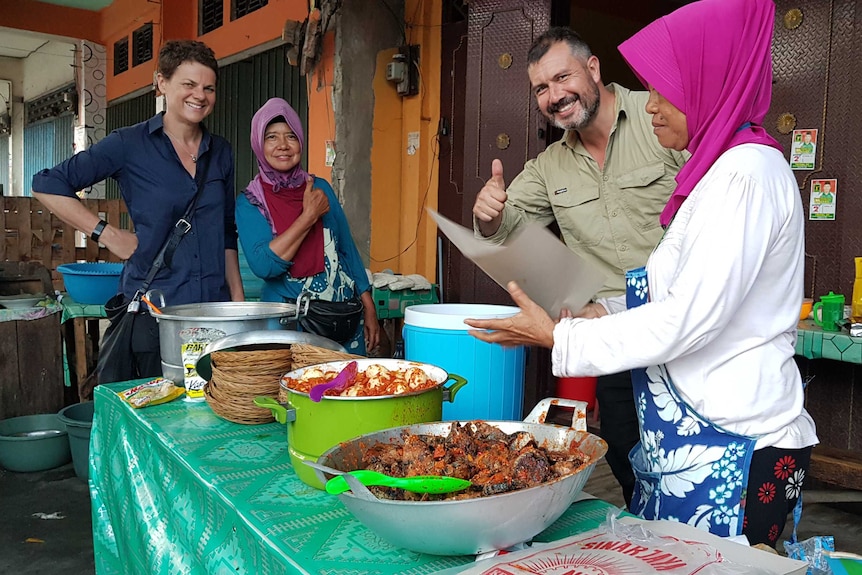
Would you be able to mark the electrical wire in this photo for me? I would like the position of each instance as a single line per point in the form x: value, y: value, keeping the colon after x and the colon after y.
x: 398, y: 21
x: 414, y: 18
x: 435, y: 156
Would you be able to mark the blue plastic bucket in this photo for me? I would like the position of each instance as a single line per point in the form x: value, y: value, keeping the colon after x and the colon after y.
x: 436, y: 334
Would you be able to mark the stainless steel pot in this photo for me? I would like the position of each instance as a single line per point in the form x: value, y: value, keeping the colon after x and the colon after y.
x: 472, y: 526
x: 226, y: 317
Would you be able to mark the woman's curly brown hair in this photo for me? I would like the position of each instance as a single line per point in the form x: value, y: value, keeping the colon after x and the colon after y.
x: 175, y: 52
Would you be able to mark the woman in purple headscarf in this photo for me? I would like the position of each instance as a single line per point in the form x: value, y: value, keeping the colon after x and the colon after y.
x: 296, y: 238
x: 710, y: 328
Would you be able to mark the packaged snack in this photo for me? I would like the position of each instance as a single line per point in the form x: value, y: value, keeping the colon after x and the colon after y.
x: 195, y: 340
x: 159, y: 390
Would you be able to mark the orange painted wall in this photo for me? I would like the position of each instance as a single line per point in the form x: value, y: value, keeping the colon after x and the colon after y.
x: 386, y: 158
x: 50, y: 19
x: 403, y: 236
x: 119, y: 20
x: 180, y: 18
x: 176, y: 20
x: 321, y: 116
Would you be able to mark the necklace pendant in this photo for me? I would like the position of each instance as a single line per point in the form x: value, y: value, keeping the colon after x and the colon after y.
x: 194, y: 159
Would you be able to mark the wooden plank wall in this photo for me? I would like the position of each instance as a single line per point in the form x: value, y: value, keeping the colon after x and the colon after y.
x: 32, y: 233
x: 31, y: 367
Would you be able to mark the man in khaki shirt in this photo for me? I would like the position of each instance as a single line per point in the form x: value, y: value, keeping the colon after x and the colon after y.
x: 604, y: 183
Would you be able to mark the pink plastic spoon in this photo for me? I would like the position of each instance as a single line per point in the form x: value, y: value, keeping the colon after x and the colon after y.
x: 338, y: 383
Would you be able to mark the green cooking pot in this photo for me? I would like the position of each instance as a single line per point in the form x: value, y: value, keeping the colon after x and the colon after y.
x: 315, y: 427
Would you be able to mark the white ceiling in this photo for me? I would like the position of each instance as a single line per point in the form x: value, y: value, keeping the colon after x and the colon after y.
x: 93, y: 5
x: 20, y: 43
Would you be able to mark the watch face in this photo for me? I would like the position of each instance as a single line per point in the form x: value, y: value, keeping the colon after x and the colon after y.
x: 97, y: 231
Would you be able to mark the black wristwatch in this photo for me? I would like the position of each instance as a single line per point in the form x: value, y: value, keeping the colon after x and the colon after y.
x: 97, y: 231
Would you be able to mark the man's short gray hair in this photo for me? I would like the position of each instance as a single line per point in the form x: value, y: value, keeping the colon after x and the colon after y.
x: 554, y: 35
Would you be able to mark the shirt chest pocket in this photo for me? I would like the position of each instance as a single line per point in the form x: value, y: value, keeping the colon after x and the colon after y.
x: 214, y: 192
x: 580, y: 213
x: 644, y: 192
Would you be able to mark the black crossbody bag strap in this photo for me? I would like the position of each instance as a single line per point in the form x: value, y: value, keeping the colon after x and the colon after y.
x: 180, y: 229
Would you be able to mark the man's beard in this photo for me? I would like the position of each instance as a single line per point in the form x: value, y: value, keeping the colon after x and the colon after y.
x: 589, y: 107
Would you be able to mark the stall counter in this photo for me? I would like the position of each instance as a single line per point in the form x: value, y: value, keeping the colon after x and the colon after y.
x: 176, y: 489
x: 814, y: 343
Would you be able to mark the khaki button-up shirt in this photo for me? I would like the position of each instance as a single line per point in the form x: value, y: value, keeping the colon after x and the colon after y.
x: 610, y: 216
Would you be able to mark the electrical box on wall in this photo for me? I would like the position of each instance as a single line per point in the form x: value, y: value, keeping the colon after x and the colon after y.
x: 5, y: 106
x: 403, y: 70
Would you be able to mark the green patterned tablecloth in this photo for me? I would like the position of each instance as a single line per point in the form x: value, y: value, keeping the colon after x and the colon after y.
x: 73, y: 309
x: 176, y: 489
x: 814, y: 343
x: 43, y: 309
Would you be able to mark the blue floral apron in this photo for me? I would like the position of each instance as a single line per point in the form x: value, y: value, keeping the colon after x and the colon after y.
x: 687, y: 469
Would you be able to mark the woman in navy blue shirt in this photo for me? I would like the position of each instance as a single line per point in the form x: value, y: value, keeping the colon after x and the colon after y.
x: 156, y: 165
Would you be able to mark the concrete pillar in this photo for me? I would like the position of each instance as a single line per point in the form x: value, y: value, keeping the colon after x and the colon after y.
x: 91, y: 69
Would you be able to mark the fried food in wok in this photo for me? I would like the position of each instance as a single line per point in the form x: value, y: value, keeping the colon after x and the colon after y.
x: 495, y: 462
x: 374, y: 380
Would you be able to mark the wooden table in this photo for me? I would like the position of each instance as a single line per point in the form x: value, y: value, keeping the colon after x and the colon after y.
x: 82, y: 331
x: 176, y: 489
x: 833, y: 401
x: 814, y: 343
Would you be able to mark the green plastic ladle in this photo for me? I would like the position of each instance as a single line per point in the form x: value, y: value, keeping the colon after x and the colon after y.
x: 416, y: 484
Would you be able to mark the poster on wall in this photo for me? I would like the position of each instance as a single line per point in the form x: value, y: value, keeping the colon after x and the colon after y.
x: 823, y: 195
x: 330, y: 153
x: 803, y: 149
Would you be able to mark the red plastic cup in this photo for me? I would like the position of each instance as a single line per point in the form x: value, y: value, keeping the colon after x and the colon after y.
x: 580, y: 388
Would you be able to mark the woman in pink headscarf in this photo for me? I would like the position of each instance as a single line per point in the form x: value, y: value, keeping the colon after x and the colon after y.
x: 710, y: 326
x: 295, y: 236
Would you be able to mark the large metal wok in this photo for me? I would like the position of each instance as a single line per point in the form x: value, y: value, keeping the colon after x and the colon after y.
x: 472, y: 526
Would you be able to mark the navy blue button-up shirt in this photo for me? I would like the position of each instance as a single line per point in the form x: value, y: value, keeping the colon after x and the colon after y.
x: 157, y: 190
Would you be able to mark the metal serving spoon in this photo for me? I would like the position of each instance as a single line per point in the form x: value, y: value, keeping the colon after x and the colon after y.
x: 338, y: 383
x: 358, y: 489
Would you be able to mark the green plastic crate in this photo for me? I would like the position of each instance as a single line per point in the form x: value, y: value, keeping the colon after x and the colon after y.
x: 391, y: 304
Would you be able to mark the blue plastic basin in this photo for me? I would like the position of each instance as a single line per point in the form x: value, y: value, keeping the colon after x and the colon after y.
x: 91, y: 283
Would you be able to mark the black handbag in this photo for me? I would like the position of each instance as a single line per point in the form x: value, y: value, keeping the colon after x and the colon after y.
x: 116, y: 361
x: 335, y: 320
x: 116, y: 357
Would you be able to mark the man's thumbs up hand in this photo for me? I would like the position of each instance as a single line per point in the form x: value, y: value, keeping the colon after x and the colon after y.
x: 491, y: 200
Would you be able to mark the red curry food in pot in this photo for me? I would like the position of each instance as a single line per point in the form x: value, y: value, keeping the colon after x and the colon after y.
x: 375, y: 380
x: 493, y: 461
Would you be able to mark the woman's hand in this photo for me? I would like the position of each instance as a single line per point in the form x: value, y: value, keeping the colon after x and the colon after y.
x: 314, y: 201
x: 121, y: 243
x: 532, y: 326
x: 314, y: 205
x: 372, y: 326
x: 589, y: 311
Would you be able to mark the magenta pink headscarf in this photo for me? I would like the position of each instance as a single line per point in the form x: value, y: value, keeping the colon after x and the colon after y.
x: 278, y: 195
x: 272, y: 109
x: 712, y: 60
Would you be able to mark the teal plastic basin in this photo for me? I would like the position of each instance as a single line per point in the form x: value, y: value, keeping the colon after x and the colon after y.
x: 78, y: 419
x: 33, y: 443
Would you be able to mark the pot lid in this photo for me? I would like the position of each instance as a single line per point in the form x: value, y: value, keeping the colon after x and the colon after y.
x: 260, y: 339
x: 226, y: 310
